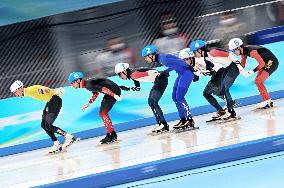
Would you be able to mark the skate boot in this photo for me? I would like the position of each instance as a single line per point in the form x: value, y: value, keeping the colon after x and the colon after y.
x: 161, y: 127
x: 189, y: 123
x: 264, y: 104
x: 270, y: 103
x: 113, y: 136
x: 231, y: 114
x: 55, y: 148
x: 69, y: 139
x: 181, y: 124
x: 218, y: 114
x: 107, y: 139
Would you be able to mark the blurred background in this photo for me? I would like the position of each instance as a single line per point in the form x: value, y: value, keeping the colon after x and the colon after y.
x: 41, y: 42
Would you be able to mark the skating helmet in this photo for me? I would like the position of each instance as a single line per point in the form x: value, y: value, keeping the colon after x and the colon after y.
x: 147, y: 50
x: 235, y: 43
x: 196, y: 44
x: 120, y: 67
x: 75, y: 76
x: 16, y: 85
x: 185, y: 53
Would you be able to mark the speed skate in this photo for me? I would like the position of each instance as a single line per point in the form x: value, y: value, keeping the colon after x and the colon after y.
x: 228, y: 120
x: 267, y: 107
x: 158, y: 133
x: 109, y: 143
x: 184, y: 129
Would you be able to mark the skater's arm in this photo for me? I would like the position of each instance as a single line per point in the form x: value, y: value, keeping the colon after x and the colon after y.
x: 94, y: 97
x: 259, y: 59
x: 208, y: 64
x: 234, y: 59
x: 137, y: 86
x: 242, y: 70
x: 239, y: 65
x: 244, y: 61
x: 124, y: 88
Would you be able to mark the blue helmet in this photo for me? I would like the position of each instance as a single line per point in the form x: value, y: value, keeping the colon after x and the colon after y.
x: 196, y: 44
x: 75, y: 76
x: 149, y: 49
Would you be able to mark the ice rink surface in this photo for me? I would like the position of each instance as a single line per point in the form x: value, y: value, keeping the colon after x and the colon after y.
x: 136, y: 146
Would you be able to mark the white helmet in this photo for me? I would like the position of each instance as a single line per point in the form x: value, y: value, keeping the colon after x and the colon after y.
x: 120, y: 67
x: 234, y: 43
x: 185, y: 53
x: 16, y: 85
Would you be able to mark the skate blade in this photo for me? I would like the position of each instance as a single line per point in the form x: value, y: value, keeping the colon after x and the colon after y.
x: 55, y: 153
x: 213, y: 120
x: 237, y: 104
x: 228, y: 120
x: 157, y: 133
x: 185, y: 129
x: 109, y: 143
x: 263, y: 109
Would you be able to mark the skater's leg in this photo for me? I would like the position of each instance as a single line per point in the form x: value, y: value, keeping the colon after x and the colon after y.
x: 106, y: 106
x: 207, y: 93
x: 155, y: 95
x: 182, y: 88
x: 48, y: 129
x: 226, y: 84
x: 259, y: 81
x: 52, y: 111
x: 174, y: 97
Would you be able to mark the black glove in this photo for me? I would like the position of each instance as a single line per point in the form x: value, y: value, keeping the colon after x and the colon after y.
x: 196, y: 78
x: 135, y: 88
x: 210, y: 73
x: 164, y: 74
x: 124, y: 88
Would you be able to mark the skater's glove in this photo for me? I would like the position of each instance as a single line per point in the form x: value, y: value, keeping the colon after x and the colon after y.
x: 164, y: 74
x: 212, y: 72
x: 209, y: 73
x: 59, y: 91
x: 250, y: 72
x: 124, y: 88
x: 118, y: 98
x: 135, y: 88
x: 196, y: 78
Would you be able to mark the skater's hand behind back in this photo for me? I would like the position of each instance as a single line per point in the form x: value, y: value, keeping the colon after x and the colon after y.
x: 85, y: 107
x: 43, y: 90
x: 248, y: 73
